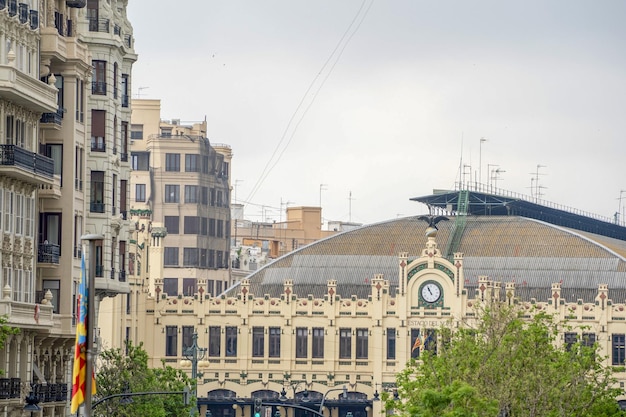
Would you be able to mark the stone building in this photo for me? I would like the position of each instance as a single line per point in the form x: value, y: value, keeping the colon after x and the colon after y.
x: 334, y: 322
x: 65, y: 70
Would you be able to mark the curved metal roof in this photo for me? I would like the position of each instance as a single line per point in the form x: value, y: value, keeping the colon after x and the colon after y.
x: 531, y: 253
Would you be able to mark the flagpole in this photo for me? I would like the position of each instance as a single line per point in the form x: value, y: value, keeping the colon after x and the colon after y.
x: 91, y: 317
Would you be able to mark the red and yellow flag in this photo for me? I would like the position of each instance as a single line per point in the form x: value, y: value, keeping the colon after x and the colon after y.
x: 80, y: 353
x: 416, y: 344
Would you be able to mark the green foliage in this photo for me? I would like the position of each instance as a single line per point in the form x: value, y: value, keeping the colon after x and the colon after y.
x: 507, y: 366
x: 118, y: 373
x: 5, y: 332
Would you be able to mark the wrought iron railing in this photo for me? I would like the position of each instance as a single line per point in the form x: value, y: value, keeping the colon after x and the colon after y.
x: 48, y: 253
x: 99, y: 88
x: 20, y: 157
x: 56, y: 117
x: 96, y: 207
x: 10, y: 388
x: 51, y: 392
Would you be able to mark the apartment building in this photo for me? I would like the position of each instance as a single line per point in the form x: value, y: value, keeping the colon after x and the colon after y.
x: 179, y: 205
x: 64, y: 104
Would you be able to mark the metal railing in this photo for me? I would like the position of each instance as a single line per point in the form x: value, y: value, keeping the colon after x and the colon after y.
x: 31, y: 161
x: 56, y: 117
x: 10, y: 388
x: 96, y: 207
x: 51, y: 392
x: 99, y: 25
x: 48, y: 253
x: 99, y: 88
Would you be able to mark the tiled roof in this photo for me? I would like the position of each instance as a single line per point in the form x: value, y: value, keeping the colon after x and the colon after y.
x: 531, y: 253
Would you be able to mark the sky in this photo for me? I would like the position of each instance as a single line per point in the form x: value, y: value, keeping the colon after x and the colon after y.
x: 360, y: 105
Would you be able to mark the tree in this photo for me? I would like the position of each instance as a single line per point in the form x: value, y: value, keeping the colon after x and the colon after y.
x: 128, y: 371
x: 508, y: 365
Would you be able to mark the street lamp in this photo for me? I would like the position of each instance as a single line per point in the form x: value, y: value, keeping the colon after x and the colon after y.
x: 194, y: 355
x: 345, y: 395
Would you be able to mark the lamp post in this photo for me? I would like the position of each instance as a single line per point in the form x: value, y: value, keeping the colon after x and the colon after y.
x: 193, y: 355
x: 345, y: 395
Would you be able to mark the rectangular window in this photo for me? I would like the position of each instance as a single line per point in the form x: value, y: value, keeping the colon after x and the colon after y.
x: 172, y: 225
x: 215, y: 340
x: 171, y: 340
x: 170, y: 256
x: 317, y: 348
x: 570, y: 338
x: 190, y: 256
x: 191, y: 225
x: 204, y: 192
x: 345, y: 343
x: 172, y: 193
x: 170, y: 286
x: 129, y: 297
x: 212, y: 227
x: 124, y: 139
x: 187, y: 337
x: 361, y: 343
x: 140, y: 161
x: 99, y: 78
x: 140, y: 193
x: 619, y: 348
x: 391, y: 343
x: 123, y: 198
x: 8, y: 211
x: 114, y: 194
x: 55, y: 288
x: 55, y: 152
x: 302, y: 342
x: 274, y: 342
x: 220, y: 228
x: 192, y: 163
x: 430, y: 340
x: 96, y: 202
x: 190, y: 286
x: 172, y: 162
x: 416, y: 343
x: 231, y: 341
x: 136, y: 132
x: 258, y: 342
x: 588, y: 339
x: 80, y: 101
x: 98, y: 123
x: 192, y: 194
x: 125, y: 90
x: 203, y: 226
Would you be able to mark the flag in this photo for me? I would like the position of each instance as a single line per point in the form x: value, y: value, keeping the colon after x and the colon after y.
x: 417, y: 344
x: 80, y: 351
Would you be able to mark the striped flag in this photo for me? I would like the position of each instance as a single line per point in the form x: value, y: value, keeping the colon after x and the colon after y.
x: 417, y: 344
x: 80, y: 354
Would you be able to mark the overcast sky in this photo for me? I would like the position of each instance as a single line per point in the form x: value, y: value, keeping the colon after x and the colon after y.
x: 383, y: 99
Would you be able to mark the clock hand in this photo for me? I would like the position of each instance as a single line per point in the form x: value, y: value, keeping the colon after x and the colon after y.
x: 428, y: 288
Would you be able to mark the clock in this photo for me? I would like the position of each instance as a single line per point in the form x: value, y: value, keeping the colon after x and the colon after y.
x: 431, y: 292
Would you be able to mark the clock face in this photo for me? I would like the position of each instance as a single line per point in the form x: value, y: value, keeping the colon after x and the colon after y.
x: 431, y: 292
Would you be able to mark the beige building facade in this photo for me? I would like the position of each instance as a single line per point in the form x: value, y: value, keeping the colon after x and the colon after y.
x: 64, y: 172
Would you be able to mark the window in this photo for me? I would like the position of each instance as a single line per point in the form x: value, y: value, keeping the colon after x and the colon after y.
x: 170, y: 286
x: 211, y: 260
x: 416, y: 346
x: 172, y: 193
x: 588, y: 339
x: 204, y: 193
x: 391, y: 343
x: 212, y: 227
x: 214, y: 340
x: 192, y: 225
x: 8, y: 211
x: 80, y: 101
x: 123, y: 198
x: 220, y: 202
x: 188, y: 332
x: 172, y: 162
x: 361, y: 343
x: 172, y: 225
x: 99, y: 78
x: 190, y: 286
x: 124, y: 89
x: 96, y: 202
x: 171, y: 340
x: 203, y: 226
x: 55, y: 288
x: 274, y: 342
x: 570, y: 339
x: 231, y: 341
x: 129, y: 298
x: 114, y: 194
x: 190, y: 256
x: 258, y: 342
x: 140, y: 161
x: 317, y: 348
x: 220, y: 228
x: 192, y: 163
x: 430, y: 340
x: 55, y: 152
x: 618, y: 341
x: 218, y: 287
x: 345, y: 343
x: 136, y: 132
x: 78, y: 166
x: 115, y: 80
x: 192, y: 193
x: 220, y: 259
x: 170, y: 256
x: 166, y: 132
x: 124, y: 139
x: 302, y: 339
x: 140, y: 193
x: 98, y: 123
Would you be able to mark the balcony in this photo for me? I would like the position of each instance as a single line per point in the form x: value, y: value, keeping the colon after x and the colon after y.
x: 52, y: 191
x: 10, y: 388
x: 28, y: 164
x: 48, y: 253
x: 54, y: 118
x: 27, y: 91
x: 76, y: 4
x: 99, y: 25
x: 96, y: 207
x: 99, y: 88
x: 51, y: 392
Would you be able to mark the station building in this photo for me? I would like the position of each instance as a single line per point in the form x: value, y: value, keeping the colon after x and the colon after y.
x: 328, y: 326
